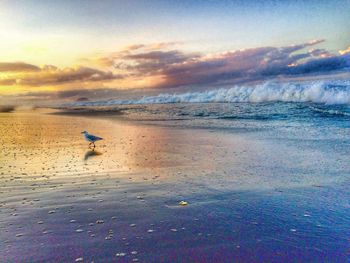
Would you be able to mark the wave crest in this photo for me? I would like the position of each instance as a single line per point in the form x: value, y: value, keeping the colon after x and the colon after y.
x: 335, y: 92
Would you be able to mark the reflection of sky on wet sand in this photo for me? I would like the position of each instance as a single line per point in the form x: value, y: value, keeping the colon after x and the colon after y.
x: 49, y: 175
x: 50, y: 146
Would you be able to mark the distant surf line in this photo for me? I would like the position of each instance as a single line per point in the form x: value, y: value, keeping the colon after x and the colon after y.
x: 325, y: 92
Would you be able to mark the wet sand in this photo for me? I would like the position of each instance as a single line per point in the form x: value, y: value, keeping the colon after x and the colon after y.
x: 247, y: 200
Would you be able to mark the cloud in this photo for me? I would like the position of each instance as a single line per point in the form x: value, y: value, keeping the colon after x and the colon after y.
x: 345, y: 51
x: 17, y: 67
x: 321, y: 65
x: 165, y: 65
x: 152, y: 47
x: 51, y: 75
x: 133, y: 52
x: 177, y: 68
x: 153, y: 62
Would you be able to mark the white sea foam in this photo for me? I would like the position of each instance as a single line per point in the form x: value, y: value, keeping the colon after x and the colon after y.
x: 326, y: 92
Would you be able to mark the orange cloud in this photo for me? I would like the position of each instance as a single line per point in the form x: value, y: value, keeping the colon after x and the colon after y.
x: 30, y: 75
x: 17, y: 67
x: 345, y: 51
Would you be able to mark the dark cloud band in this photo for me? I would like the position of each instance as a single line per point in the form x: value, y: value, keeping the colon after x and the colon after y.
x: 178, y: 68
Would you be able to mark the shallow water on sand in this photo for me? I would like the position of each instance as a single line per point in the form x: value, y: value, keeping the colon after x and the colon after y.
x: 250, y: 198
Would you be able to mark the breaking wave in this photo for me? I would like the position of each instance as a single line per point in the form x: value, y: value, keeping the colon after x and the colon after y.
x: 325, y: 92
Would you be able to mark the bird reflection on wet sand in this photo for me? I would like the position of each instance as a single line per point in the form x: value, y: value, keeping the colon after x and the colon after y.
x: 91, y: 153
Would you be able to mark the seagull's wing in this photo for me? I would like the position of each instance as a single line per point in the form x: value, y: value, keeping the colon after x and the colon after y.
x: 93, y: 137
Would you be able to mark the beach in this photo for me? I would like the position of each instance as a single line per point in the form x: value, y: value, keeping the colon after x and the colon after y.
x: 174, y: 131
x: 252, y: 193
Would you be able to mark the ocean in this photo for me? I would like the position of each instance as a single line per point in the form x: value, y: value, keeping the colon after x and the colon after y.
x: 306, y: 110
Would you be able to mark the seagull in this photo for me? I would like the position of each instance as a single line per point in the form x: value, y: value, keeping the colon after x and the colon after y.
x: 91, y: 138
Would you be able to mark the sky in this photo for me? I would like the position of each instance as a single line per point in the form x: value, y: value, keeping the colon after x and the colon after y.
x: 63, y: 50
